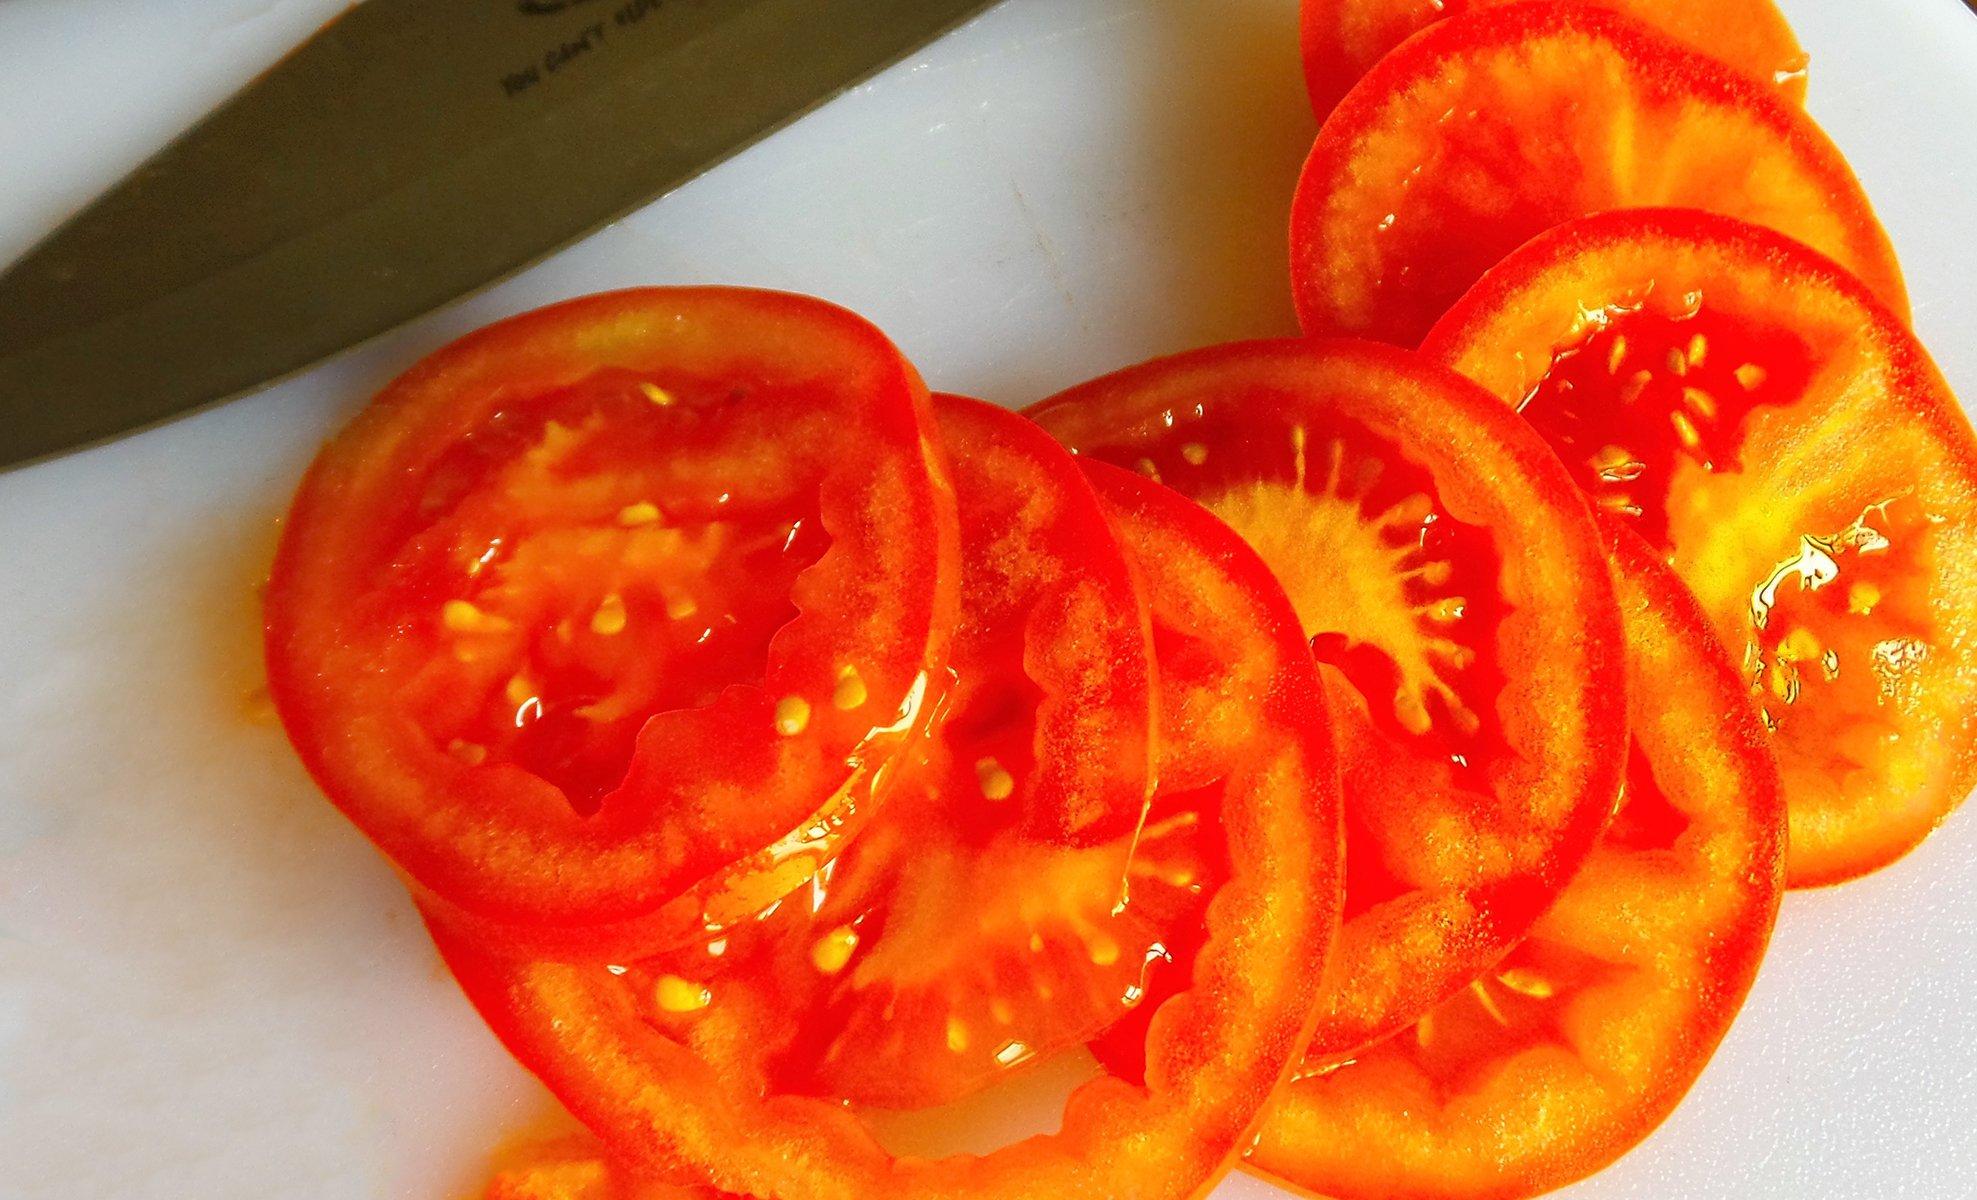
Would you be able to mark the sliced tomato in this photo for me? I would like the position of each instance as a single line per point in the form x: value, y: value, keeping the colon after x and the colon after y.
x: 1342, y: 39
x: 1490, y: 128
x: 1577, y: 1045
x: 577, y: 1169
x: 1783, y: 439
x: 601, y: 600
x: 1250, y: 747
x: 1453, y: 586
x: 864, y: 987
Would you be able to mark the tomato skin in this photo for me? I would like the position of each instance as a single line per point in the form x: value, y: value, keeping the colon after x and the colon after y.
x: 1586, y: 1038
x: 1342, y: 39
x: 1864, y: 434
x: 1215, y: 1051
x: 500, y: 842
x: 1525, y: 800
x: 1433, y: 167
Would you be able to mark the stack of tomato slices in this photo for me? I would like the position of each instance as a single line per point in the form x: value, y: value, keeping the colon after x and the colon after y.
x: 1379, y: 759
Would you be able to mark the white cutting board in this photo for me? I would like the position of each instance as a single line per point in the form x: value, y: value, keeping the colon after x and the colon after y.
x: 210, y: 987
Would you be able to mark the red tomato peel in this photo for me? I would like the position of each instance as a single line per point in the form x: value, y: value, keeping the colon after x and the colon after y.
x: 1487, y: 129
x: 1455, y: 589
x: 1782, y: 438
x: 1573, y: 1048
x: 508, y: 628
x: 1251, y: 747
x: 1342, y: 39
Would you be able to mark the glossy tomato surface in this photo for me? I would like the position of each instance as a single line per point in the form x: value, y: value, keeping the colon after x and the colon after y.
x: 1489, y: 128
x: 656, y: 1062
x: 1342, y: 39
x: 1452, y: 586
x: 1572, y: 1049
x: 564, y: 620
x: 1783, y: 440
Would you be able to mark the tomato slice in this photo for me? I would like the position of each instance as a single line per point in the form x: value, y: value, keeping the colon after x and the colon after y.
x: 1251, y: 745
x: 1490, y: 128
x: 865, y: 986
x: 1342, y: 39
x: 576, y: 1169
x: 1784, y: 440
x: 1455, y: 589
x: 1577, y: 1045
x: 602, y: 599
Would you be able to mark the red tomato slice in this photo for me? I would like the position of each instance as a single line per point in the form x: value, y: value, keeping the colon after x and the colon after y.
x: 1575, y: 1047
x: 576, y: 1169
x: 864, y: 987
x: 1250, y: 746
x: 602, y: 599
x: 1490, y: 128
x: 1454, y: 587
x: 1784, y: 440
x: 1343, y: 38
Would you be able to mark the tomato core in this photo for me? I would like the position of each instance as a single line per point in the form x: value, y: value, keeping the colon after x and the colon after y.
x: 1398, y: 595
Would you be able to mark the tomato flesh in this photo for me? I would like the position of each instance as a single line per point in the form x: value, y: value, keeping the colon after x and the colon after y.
x: 1781, y: 438
x: 1647, y: 394
x: 861, y: 987
x: 553, y: 606
x: 870, y: 991
x: 564, y: 618
x: 671, y: 1072
x: 1489, y: 128
x: 1575, y: 1046
x: 1453, y: 586
x: 1342, y: 39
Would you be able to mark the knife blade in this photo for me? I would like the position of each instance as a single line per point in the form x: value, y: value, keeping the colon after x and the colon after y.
x: 410, y: 152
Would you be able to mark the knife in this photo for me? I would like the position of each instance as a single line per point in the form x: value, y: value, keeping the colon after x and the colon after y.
x: 410, y: 152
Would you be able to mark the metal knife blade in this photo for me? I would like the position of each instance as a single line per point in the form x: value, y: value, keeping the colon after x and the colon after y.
x: 410, y: 152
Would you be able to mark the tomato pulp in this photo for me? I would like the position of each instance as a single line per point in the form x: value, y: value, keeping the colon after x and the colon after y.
x: 1453, y: 587
x: 602, y: 601
x: 1572, y: 1049
x: 1783, y: 440
x: 1489, y: 128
